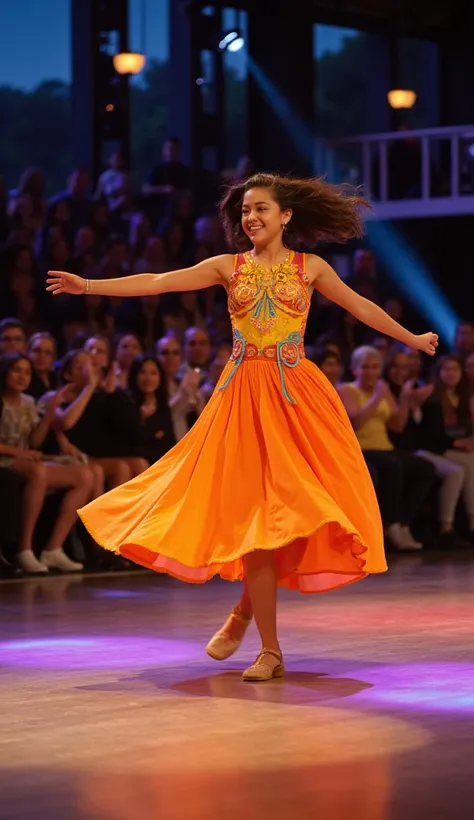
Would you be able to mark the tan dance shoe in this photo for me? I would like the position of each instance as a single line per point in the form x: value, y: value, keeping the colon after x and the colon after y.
x: 268, y: 665
x: 229, y: 637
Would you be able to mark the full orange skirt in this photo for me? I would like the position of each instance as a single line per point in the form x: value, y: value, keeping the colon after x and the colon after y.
x: 255, y: 472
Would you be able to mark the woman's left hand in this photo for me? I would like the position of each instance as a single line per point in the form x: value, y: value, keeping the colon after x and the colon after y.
x: 427, y: 343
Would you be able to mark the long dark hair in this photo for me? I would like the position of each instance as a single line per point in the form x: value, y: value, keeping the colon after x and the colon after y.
x: 137, y: 395
x: 461, y: 390
x: 320, y: 211
x: 7, y: 361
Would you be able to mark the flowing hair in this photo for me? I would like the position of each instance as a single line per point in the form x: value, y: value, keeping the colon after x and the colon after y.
x: 320, y: 211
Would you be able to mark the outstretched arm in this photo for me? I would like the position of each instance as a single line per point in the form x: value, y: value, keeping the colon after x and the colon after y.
x: 327, y: 282
x: 214, y: 271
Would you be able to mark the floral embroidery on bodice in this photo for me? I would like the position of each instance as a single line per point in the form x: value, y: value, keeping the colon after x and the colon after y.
x: 266, y: 305
x: 268, y: 308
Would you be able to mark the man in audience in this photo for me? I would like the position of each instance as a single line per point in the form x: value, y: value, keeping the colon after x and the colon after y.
x: 197, y: 351
x: 12, y: 336
x: 464, y: 339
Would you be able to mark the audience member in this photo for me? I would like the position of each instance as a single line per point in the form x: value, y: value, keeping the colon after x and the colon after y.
x: 404, y: 480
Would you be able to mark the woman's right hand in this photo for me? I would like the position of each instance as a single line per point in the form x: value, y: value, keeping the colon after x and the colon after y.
x: 59, y: 281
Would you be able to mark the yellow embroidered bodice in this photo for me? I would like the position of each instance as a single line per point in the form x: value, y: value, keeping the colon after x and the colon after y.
x: 268, y: 309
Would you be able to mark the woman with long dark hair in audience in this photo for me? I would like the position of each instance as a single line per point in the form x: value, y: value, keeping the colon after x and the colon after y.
x: 270, y: 485
x: 147, y: 387
x: 446, y: 439
x: 22, y: 433
x: 416, y: 419
x: 125, y: 349
x: 41, y: 350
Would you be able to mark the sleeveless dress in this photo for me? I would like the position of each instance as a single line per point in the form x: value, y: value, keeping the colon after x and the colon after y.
x: 272, y: 463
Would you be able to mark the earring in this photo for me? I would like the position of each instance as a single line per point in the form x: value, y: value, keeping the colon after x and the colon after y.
x: 284, y: 225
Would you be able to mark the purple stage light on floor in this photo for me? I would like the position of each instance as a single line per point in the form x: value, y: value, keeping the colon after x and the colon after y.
x: 112, y: 652
x: 447, y: 687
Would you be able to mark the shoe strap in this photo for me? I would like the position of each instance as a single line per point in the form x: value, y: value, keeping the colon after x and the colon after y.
x: 277, y: 655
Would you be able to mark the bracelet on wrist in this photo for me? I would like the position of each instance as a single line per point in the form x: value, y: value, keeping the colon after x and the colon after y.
x: 88, y: 286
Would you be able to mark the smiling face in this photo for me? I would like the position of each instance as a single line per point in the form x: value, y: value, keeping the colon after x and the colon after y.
x: 262, y: 218
x: 367, y: 370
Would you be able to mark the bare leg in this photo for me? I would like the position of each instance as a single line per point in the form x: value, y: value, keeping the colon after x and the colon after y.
x: 98, y: 483
x: 245, y: 604
x: 115, y: 470
x: 34, y: 492
x: 78, y: 481
x: 261, y: 576
x: 136, y: 465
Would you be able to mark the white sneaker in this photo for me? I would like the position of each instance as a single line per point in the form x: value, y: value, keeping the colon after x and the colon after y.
x: 28, y: 562
x: 410, y: 539
x: 400, y: 539
x: 57, y: 559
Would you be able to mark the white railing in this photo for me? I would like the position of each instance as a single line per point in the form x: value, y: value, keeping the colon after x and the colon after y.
x: 426, y: 172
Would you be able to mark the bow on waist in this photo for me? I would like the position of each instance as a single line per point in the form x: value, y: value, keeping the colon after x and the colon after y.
x: 287, y: 353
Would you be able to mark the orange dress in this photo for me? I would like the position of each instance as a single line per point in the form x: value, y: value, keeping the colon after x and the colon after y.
x: 272, y: 463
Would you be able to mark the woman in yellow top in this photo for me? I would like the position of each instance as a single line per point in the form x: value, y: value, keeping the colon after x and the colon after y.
x: 269, y: 487
x: 403, y: 479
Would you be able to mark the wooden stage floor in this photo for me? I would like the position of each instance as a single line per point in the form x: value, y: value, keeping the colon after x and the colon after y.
x: 110, y: 710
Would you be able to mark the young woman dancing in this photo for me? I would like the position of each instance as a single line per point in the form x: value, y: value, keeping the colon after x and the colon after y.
x: 269, y: 487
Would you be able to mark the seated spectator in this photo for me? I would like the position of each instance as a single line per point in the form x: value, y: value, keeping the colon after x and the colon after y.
x: 415, y: 418
x: 197, y: 351
x: 12, y: 336
x: 41, y: 350
x: 184, y: 397
x: 147, y: 387
x: 329, y: 363
x: 92, y: 418
x: 125, y: 349
x: 21, y: 434
x: 403, y: 479
x: 446, y: 439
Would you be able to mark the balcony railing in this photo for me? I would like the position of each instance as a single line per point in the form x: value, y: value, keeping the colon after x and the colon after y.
x: 407, y: 174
